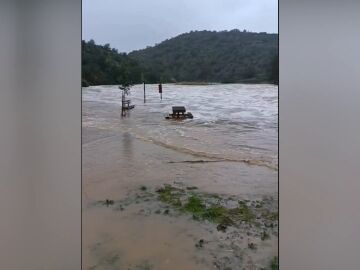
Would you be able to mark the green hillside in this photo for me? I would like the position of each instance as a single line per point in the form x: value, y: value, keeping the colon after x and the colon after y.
x: 205, y: 56
x: 199, y: 56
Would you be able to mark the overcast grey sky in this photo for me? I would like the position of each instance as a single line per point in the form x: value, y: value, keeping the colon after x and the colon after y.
x: 134, y: 24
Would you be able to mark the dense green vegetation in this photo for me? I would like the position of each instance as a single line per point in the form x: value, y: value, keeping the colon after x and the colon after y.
x: 198, y: 56
x: 205, y: 56
x: 103, y: 65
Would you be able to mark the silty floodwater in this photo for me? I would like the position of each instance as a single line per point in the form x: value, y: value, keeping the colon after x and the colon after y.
x: 229, y: 148
x: 232, y: 122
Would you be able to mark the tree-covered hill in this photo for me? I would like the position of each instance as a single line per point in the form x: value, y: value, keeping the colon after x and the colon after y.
x: 206, y: 56
x: 199, y: 56
x: 103, y: 65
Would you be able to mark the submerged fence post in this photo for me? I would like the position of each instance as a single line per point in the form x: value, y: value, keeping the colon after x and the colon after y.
x: 123, y: 103
x: 143, y: 80
x: 160, y: 90
x: 144, y: 93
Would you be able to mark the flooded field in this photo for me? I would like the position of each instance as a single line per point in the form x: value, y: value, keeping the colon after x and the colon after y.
x: 196, y: 194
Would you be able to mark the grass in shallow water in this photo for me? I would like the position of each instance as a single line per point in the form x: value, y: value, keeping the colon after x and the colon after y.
x: 271, y: 216
x: 242, y: 213
x: 217, y: 213
x: 170, y: 195
x: 204, y: 207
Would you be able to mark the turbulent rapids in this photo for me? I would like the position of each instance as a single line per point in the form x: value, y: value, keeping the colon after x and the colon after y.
x: 232, y: 122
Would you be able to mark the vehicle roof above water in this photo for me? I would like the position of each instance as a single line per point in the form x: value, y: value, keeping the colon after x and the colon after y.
x: 178, y: 109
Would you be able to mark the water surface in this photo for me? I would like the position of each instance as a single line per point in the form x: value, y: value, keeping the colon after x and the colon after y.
x: 229, y: 148
x: 232, y: 121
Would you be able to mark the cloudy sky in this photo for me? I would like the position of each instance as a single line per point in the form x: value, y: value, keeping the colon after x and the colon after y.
x: 134, y: 24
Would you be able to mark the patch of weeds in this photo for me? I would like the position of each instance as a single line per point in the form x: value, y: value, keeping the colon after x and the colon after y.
x: 274, y: 264
x: 191, y: 188
x: 272, y: 216
x: 195, y: 206
x: 143, y: 188
x: 242, y: 213
x: 170, y: 195
x: 216, y: 213
x: 206, y: 207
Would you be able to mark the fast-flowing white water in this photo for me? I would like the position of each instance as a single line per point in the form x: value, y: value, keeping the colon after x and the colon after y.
x: 235, y: 122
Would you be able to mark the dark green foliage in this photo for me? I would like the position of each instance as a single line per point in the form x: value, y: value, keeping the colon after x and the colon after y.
x: 103, y: 65
x: 243, y: 213
x: 198, y: 56
x: 213, y: 213
x: 170, y: 195
x: 209, y: 56
x: 195, y: 206
x: 271, y: 216
x: 202, y: 210
x: 217, y: 213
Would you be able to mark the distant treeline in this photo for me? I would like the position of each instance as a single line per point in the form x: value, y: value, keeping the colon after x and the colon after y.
x: 102, y: 65
x: 199, y: 56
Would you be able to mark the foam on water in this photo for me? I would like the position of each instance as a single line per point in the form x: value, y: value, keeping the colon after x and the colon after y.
x: 233, y: 122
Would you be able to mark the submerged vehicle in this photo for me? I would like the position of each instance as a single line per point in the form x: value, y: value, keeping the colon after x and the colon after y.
x: 179, y: 112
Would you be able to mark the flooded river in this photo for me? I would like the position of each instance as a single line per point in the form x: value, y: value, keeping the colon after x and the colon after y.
x: 229, y: 149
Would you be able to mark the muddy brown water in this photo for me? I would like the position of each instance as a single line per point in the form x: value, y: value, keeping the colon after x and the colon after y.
x: 119, y: 157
